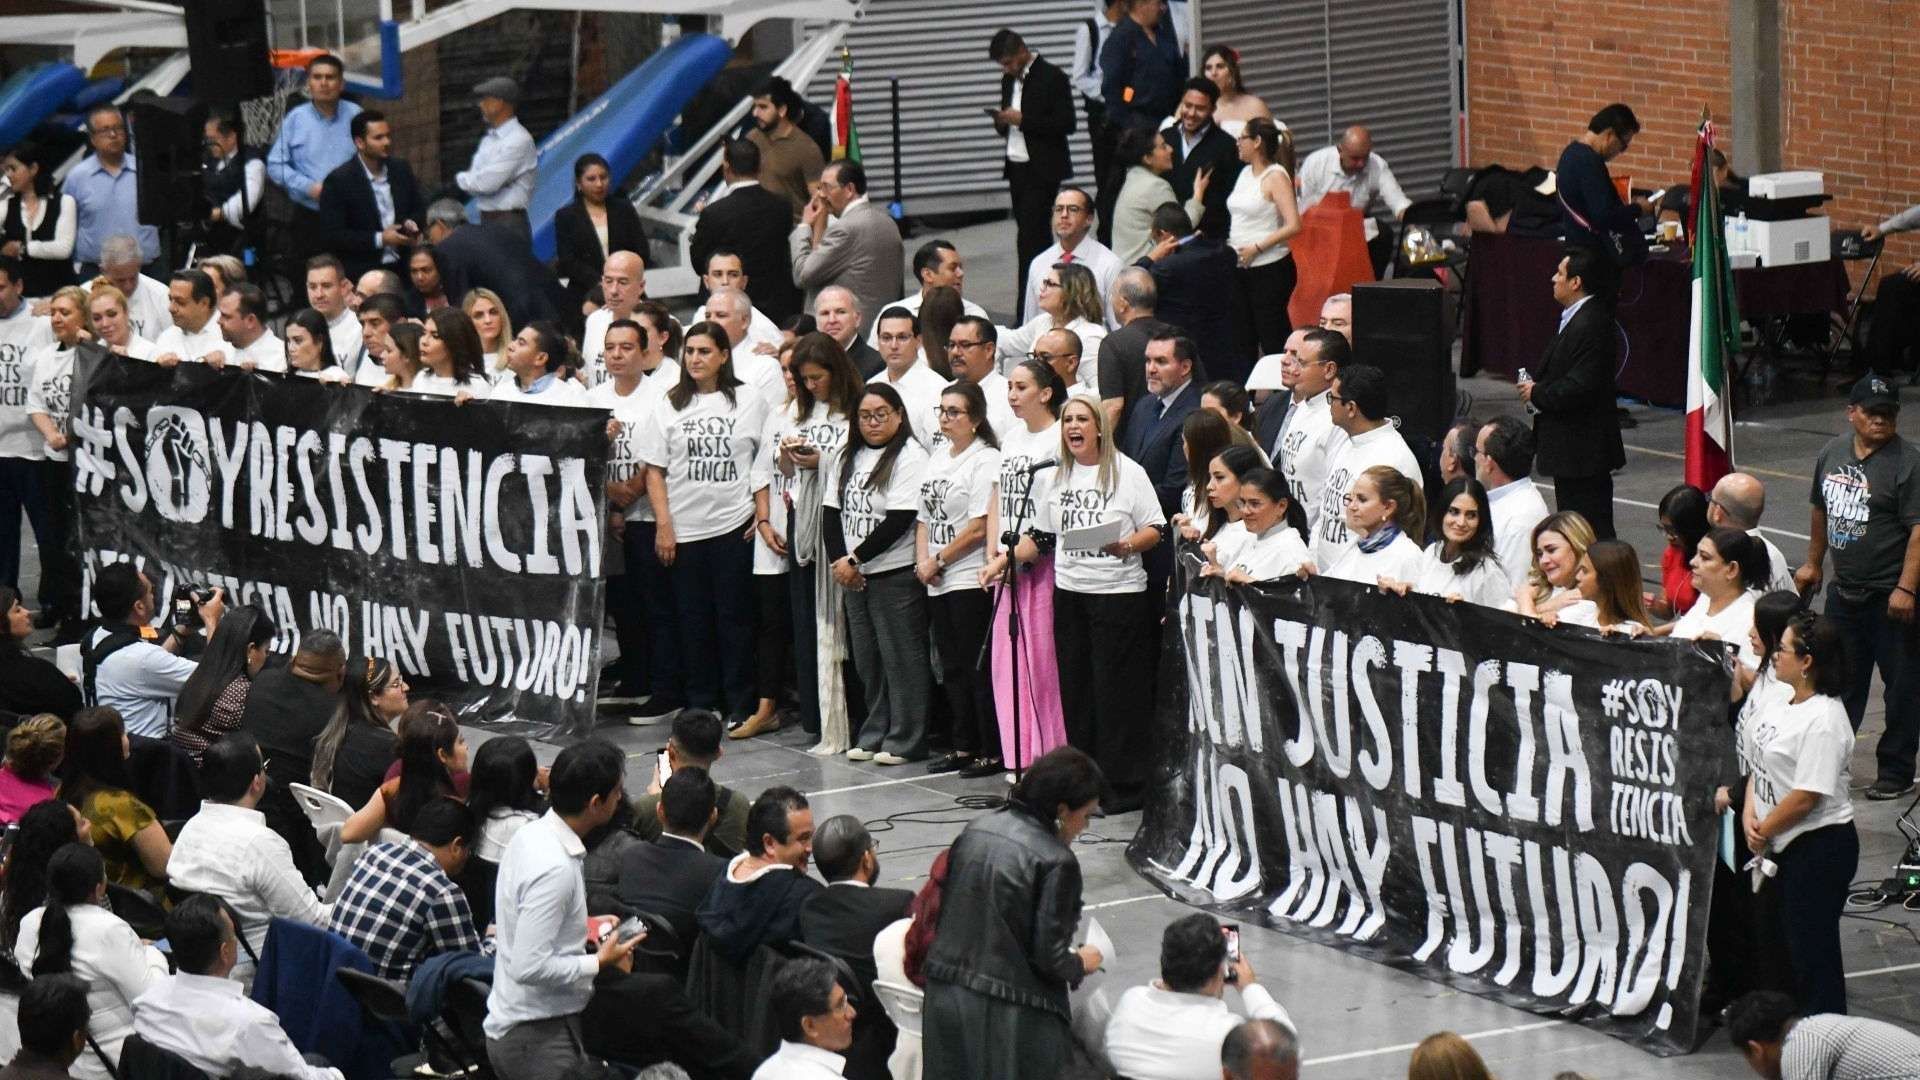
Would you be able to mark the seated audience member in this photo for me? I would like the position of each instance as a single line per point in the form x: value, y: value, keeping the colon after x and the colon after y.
x: 226, y: 850
x: 44, y: 829
x: 125, y: 830
x: 357, y: 748
x: 600, y: 867
x: 287, y: 708
x: 671, y: 875
x: 543, y: 979
x: 53, y: 1021
x: 28, y: 683
x: 1780, y: 1044
x: 1260, y: 1050
x: 1446, y: 1056
x: 433, y: 751
x: 674, y: 1032
x: 815, y: 1020
x: 214, y: 701
x: 1737, y: 502
x: 1172, y: 1028
x: 35, y: 748
x: 202, y: 1015
x: 757, y: 900
x: 845, y: 918
x: 502, y: 793
x: 401, y: 905
x: 74, y: 933
x: 127, y: 671
x: 695, y: 743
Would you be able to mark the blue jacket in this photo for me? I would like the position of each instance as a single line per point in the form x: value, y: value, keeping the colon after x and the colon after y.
x: 427, y: 991
x: 296, y: 981
x: 1141, y: 80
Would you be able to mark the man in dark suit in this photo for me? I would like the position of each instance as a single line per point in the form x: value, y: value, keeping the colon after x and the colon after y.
x: 1572, y: 395
x: 371, y: 207
x: 495, y: 256
x: 752, y: 222
x: 670, y: 876
x: 1152, y: 438
x: 1035, y: 118
x: 844, y: 918
x: 1193, y: 274
x: 1198, y: 143
x: 1123, y: 354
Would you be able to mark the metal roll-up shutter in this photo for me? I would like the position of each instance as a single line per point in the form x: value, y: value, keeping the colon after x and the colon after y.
x: 951, y: 159
x: 1323, y: 65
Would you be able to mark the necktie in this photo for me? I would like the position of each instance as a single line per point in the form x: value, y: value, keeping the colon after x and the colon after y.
x: 1066, y: 256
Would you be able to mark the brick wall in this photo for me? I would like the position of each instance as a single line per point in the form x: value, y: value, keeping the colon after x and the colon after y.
x: 1850, y: 79
x: 1536, y: 72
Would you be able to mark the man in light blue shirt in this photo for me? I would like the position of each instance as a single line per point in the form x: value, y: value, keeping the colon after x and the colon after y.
x: 543, y: 976
x: 314, y: 140
x: 105, y: 193
x: 500, y: 179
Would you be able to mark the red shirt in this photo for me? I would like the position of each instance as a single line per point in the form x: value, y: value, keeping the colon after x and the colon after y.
x: 1676, y: 580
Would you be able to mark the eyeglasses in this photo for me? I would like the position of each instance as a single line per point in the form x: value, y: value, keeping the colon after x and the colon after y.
x: 956, y: 343
x: 951, y: 412
x: 1335, y: 399
x: 875, y: 416
x: 111, y: 129
x: 1048, y: 284
x: 1050, y: 357
x: 1069, y: 209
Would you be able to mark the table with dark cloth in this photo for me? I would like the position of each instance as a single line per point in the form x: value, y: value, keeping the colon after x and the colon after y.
x: 1510, y: 314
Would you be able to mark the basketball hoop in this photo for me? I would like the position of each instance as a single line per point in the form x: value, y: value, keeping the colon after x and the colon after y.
x: 262, y: 115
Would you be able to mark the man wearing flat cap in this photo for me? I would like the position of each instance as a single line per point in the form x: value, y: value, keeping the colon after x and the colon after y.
x: 500, y: 179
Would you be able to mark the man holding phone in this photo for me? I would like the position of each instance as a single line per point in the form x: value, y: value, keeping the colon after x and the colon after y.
x: 370, y: 207
x: 1173, y: 1027
x: 1035, y: 117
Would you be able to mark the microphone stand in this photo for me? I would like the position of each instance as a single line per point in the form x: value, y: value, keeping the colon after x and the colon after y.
x: 1010, y: 539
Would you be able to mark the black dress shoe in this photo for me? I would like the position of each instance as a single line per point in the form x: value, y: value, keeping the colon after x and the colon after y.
x: 1882, y: 790
x: 947, y: 763
x: 983, y: 767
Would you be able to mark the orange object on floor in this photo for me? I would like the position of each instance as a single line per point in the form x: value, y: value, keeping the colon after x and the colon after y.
x: 1330, y: 254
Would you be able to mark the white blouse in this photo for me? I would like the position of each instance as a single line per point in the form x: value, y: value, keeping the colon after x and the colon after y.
x: 1398, y: 561
x: 1486, y: 584
x: 1276, y: 553
x: 117, y: 968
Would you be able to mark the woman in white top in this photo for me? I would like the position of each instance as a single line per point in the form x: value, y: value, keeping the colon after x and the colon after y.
x: 310, y: 349
x: 1069, y: 300
x: 76, y: 934
x: 1557, y: 544
x: 1262, y: 216
x: 872, y: 504
x: 1729, y: 569
x: 107, y: 309
x: 699, y: 442
x: 1235, y: 107
x: 495, y: 327
x: 49, y: 394
x: 1212, y: 497
x: 1385, y: 510
x: 812, y: 428
x: 1105, y: 626
x: 1462, y: 564
x: 1608, y: 580
x: 400, y: 359
x: 1028, y: 448
x: 1798, y: 813
x: 450, y: 363
x: 1267, y: 543
x: 37, y: 225
x: 502, y: 793
x: 949, y: 551
x: 1147, y: 157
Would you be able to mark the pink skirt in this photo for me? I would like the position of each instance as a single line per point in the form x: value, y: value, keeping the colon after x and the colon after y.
x: 1042, y: 723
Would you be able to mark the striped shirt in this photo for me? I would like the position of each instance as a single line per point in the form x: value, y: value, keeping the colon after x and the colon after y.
x: 399, y: 908
x: 1834, y: 1047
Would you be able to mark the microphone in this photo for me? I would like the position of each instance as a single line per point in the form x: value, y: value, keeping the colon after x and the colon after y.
x: 1037, y: 466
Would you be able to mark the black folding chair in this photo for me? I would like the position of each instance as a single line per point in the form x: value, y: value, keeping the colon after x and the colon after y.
x: 385, y: 1004
x: 138, y: 910
x: 464, y: 1013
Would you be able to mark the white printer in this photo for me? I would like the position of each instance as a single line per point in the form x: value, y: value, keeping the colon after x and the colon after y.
x: 1780, y: 226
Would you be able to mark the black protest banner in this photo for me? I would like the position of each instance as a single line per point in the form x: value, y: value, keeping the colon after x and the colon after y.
x: 1520, y: 812
x: 462, y: 542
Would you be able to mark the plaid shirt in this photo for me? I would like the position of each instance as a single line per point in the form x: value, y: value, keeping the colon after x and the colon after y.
x: 399, y: 907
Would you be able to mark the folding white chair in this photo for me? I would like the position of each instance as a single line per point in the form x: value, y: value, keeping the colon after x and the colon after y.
x: 321, y: 808
x: 903, y: 1004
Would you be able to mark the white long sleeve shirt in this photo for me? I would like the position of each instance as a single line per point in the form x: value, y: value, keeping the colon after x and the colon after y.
x: 501, y: 174
x: 540, y: 903
x: 228, y: 851
x: 1159, y: 1034
x: 217, y: 1029
x: 116, y: 967
x: 193, y: 345
x: 1517, y: 507
x: 1373, y: 190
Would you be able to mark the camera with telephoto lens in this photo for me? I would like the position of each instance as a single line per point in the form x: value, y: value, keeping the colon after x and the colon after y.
x: 187, y: 599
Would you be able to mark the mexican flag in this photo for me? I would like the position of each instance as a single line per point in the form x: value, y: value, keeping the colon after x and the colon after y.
x: 846, y: 140
x: 1714, y: 332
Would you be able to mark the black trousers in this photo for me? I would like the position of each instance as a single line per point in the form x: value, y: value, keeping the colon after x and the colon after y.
x: 1811, y: 889
x: 1589, y: 496
x: 1107, y: 645
x: 1380, y: 248
x: 1101, y: 136
x: 1260, y: 323
x: 1033, y: 192
x: 801, y: 605
x: 1876, y: 641
x: 59, y: 552
x: 1895, y: 332
x: 961, y: 620
x: 712, y: 582
x: 773, y: 637
x: 654, y: 592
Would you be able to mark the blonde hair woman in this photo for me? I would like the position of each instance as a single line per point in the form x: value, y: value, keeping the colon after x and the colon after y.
x: 495, y: 326
x: 1558, y: 543
x: 49, y: 386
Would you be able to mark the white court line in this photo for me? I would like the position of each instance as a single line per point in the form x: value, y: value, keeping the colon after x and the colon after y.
x: 1404, y: 1047
x: 880, y: 784
x: 1128, y: 900
x: 1881, y: 971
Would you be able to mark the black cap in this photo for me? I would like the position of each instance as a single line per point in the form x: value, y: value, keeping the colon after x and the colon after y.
x: 1874, y: 391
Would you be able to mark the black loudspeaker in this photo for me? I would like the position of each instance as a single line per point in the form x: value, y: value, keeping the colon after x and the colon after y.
x: 166, y: 142
x: 227, y: 48
x: 1404, y: 327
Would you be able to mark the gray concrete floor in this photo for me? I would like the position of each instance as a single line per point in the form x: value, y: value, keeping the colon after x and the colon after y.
x: 1359, y: 1019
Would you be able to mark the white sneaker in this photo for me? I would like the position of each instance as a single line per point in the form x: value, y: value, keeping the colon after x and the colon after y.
x: 859, y: 754
x: 884, y: 758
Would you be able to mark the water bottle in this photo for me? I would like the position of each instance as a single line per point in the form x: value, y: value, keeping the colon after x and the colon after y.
x: 1741, y: 236
x: 1521, y: 376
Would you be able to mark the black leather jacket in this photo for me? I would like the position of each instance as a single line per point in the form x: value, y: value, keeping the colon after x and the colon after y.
x: 1007, y: 918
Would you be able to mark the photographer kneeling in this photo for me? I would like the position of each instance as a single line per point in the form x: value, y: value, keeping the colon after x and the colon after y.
x: 128, y: 665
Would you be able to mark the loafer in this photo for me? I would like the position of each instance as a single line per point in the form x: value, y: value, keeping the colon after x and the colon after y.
x: 946, y: 763
x: 884, y: 758
x: 756, y: 726
x: 1883, y: 790
x: 859, y: 754
x: 983, y: 767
